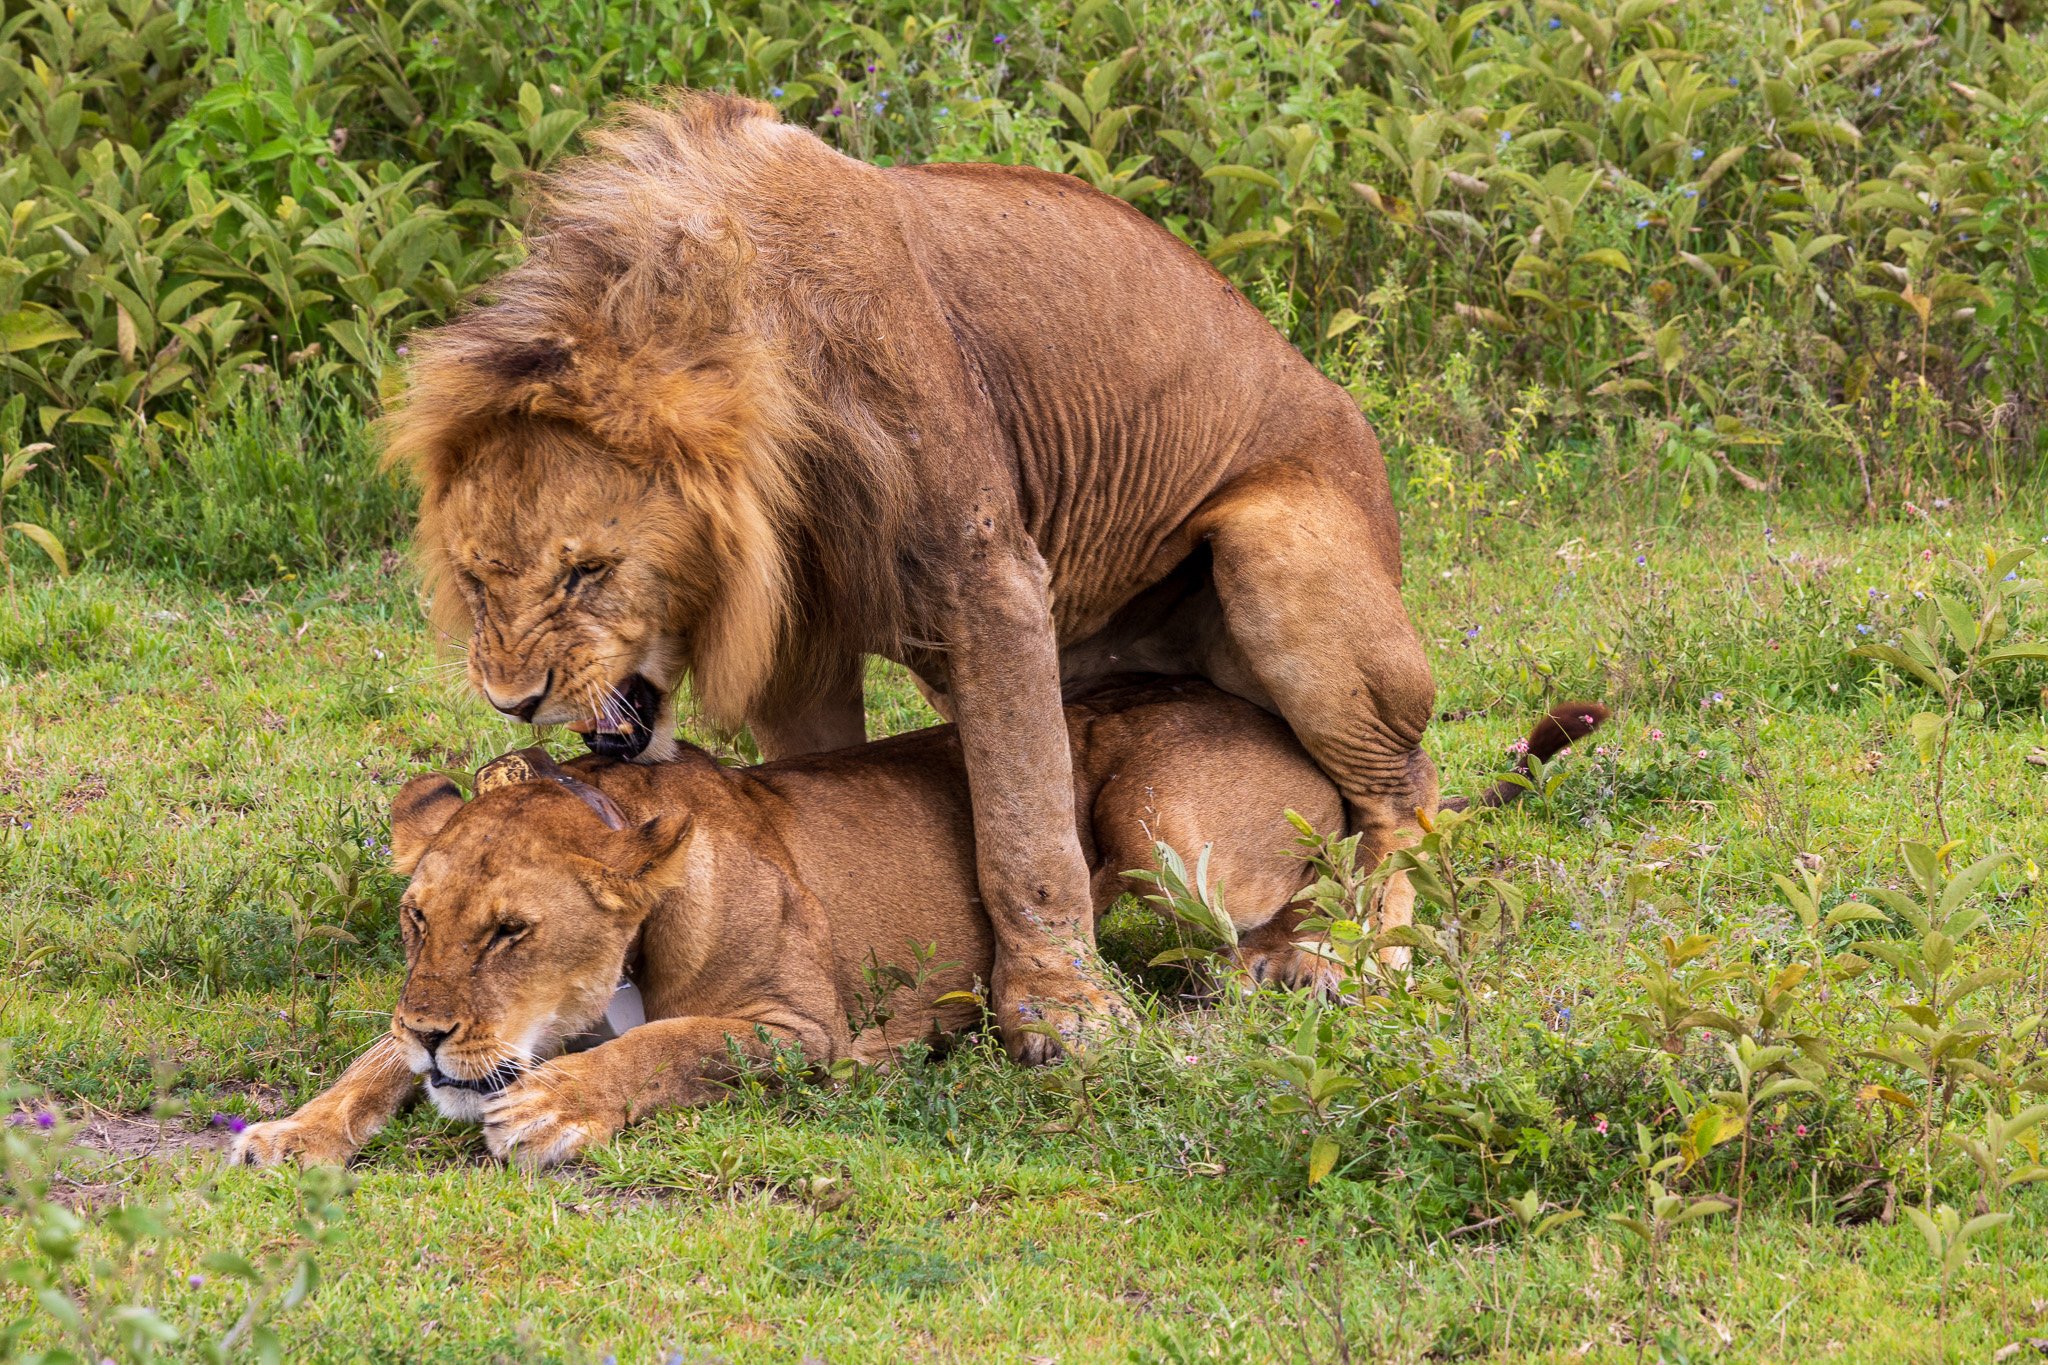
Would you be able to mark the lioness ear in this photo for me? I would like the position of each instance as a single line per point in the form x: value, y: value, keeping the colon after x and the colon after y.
x: 641, y: 864
x: 423, y: 806
x: 658, y: 848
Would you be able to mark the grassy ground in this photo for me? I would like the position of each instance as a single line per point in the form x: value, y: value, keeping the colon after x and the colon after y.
x: 188, y: 780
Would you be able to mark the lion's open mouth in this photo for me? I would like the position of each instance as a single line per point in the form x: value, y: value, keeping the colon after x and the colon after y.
x: 626, y: 725
x: 490, y: 1083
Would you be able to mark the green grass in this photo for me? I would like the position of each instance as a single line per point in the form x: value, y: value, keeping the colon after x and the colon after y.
x: 183, y: 771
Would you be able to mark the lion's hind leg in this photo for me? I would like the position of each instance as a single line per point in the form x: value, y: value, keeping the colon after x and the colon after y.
x: 1309, y: 602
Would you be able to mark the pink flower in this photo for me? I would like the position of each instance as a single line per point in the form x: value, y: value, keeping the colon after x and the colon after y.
x: 1601, y: 1126
x: 1800, y: 1131
x: 1657, y: 735
x: 1520, y: 746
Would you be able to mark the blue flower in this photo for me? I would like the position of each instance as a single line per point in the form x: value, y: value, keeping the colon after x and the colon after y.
x: 1642, y: 560
x: 1855, y: 26
x: 1471, y: 632
x: 1862, y: 629
x: 1002, y: 38
x: 1258, y: 14
x: 1642, y: 223
x: 1504, y: 136
x: 1877, y: 92
x: 1577, y: 927
x: 1614, y: 97
x: 1690, y: 192
x: 1733, y: 81
x: 1556, y: 22
x: 2012, y: 577
x: 775, y: 92
x: 1698, y: 152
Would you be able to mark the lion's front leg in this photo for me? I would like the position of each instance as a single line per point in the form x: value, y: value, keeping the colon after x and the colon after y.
x: 332, y: 1127
x: 573, y: 1103
x: 1003, y: 675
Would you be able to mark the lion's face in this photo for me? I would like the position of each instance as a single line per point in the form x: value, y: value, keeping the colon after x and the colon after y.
x: 577, y: 576
x: 517, y: 922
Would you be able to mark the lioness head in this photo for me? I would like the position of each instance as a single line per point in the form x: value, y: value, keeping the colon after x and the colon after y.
x: 522, y: 907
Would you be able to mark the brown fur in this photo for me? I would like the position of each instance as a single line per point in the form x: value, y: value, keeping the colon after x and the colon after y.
x: 753, y: 899
x: 782, y: 409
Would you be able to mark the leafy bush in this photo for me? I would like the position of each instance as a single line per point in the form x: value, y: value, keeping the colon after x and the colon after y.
x: 1811, y: 240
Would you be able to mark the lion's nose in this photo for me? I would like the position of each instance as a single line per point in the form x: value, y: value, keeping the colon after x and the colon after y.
x: 525, y: 707
x: 429, y: 1038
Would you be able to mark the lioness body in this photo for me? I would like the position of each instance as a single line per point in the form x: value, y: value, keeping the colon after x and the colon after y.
x: 753, y: 409
x: 751, y: 904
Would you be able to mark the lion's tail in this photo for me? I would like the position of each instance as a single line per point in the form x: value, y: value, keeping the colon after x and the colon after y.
x: 1567, y: 723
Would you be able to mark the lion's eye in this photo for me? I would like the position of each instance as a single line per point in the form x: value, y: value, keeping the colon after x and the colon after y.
x: 588, y: 572
x: 508, y: 932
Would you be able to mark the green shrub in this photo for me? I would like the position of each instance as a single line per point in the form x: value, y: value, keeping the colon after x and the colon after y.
x: 1804, y: 243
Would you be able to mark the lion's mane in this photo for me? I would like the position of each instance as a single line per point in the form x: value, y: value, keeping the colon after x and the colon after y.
x: 680, y: 311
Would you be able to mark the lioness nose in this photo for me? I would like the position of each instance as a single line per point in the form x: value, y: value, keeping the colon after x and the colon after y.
x: 526, y: 706
x: 429, y: 1038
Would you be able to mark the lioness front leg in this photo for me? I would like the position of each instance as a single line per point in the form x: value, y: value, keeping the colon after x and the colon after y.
x: 581, y: 1100
x: 1004, y: 689
x: 1311, y: 601
x: 332, y: 1127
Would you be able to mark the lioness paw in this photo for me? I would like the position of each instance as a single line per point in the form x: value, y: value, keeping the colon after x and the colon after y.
x: 544, y: 1120
x: 309, y: 1143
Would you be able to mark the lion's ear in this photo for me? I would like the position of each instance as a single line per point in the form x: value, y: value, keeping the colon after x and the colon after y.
x: 419, y: 812
x: 642, y: 864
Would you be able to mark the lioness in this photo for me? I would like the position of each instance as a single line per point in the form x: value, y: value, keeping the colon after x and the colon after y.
x: 747, y: 904
x: 752, y: 409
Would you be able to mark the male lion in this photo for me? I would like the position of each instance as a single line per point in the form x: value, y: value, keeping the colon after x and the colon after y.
x: 750, y: 906
x: 752, y: 410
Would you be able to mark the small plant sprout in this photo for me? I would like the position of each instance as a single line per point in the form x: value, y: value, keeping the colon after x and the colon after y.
x: 1949, y: 1239
x: 1534, y: 1225
x: 1663, y: 1212
x: 1471, y: 911
x: 1193, y: 903
x: 2014, y: 1133
x: 1314, y: 1083
x: 16, y: 462
x: 1760, y: 1078
x: 1938, y: 1045
x: 1951, y: 642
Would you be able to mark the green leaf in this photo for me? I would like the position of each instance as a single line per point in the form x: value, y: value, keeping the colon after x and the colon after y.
x: 1251, y: 174
x: 47, y: 543
x: 1322, y: 1158
x: 1345, y: 320
x: 33, y: 325
x: 2029, y: 652
x: 1898, y: 659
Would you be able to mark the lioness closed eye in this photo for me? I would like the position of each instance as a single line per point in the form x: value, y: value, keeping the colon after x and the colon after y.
x: 746, y: 902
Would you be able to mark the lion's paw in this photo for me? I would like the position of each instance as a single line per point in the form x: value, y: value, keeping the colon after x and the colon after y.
x: 308, y: 1142
x: 1042, y: 1013
x: 546, y: 1118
